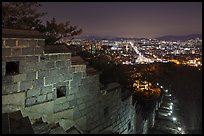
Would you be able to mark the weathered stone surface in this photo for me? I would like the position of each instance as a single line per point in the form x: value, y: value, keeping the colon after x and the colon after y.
x: 60, y: 107
x: 70, y: 97
x: 50, y: 65
x: 49, y: 80
x: 73, y: 103
x: 38, y: 50
x: 17, y: 99
x: 38, y: 83
x: 43, y: 73
x: 60, y: 64
x: 23, y: 42
x: 41, y: 98
x: 31, y: 76
x: 82, y: 106
x: 53, y: 57
x: 28, y: 51
x: 60, y: 100
x: 33, y: 92
x: 31, y: 101
x: 16, y: 51
x: 25, y: 85
x: 41, y: 43
x: 10, y: 42
x: 32, y: 58
x: 47, y: 89
x: 6, y: 51
x: 32, y: 42
x: 76, y: 114
x: 10, y: 88
x: 7, y: 79
x: 50, y: 96
x: 19, y: 77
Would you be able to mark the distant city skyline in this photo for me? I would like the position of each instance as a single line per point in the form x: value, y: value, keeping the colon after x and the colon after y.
x: 128, y: 19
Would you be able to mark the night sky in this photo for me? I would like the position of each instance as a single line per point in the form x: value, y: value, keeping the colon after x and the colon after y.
x: 129, y: 19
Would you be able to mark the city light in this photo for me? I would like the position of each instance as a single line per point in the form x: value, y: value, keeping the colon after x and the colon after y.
x: 174, y: 119
x: 161, y: 86
x: 171, y: 103
x: 171, y: 107
x: 179, y: 128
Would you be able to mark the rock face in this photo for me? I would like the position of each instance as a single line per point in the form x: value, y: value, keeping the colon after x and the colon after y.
x: 54, y: 86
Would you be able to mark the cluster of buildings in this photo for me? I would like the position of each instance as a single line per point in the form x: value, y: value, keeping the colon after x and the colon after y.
x: 144, y: 51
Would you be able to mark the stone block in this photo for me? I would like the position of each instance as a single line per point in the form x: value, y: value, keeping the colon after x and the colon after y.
x: 41, y: 43
x: 74, y: 90
x: 43, y: 73
x: 3, y: 71
x: 67, y: 56
x: 47, y: 89
x: 79, y: 101
x: 10, y: 42
x: 82, y: 106
x: 32, y: 42
x: 61, y: 107
x: 60, y: 100
x: 73, y: 103
x: 6, y: 52
x: 38, y: 50
x: 76, y: 114
x: 14, y: 99
x: 41, y: 98
x: 38, y: 83
x: 7, y: 79
x: 81, y: 122
x: 28, y: 51
x: 60, y: 64
x: 32, y: 58
x: 49, y: 80
x: 66, y: 105
x: 53, y: 57
x: 68, y: 63
x: 50, y: 65
x: 25, y: 85
x: 31, y: 76
x: 61, y: 57
x: 16, y: 51
x: 23, y: 42
x: 70, y: 97
x: 19, y: 77
x: 31, y: 101
x: 50, y: 96
x: 44, y: 58
x: 33, y: 92
x: 11, y: 88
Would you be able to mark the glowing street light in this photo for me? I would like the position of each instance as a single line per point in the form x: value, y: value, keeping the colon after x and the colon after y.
x: 171, y: 107
x: 174, y: 118
x: 161, y: 86
x: 169, y: 114
x: 157, y: 83
x: 179, y: 128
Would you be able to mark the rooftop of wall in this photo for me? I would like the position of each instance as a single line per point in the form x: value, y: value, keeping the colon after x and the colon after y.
x: 17, y: 33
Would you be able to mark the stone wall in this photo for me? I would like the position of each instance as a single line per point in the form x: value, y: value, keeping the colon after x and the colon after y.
x: 51, y: 87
